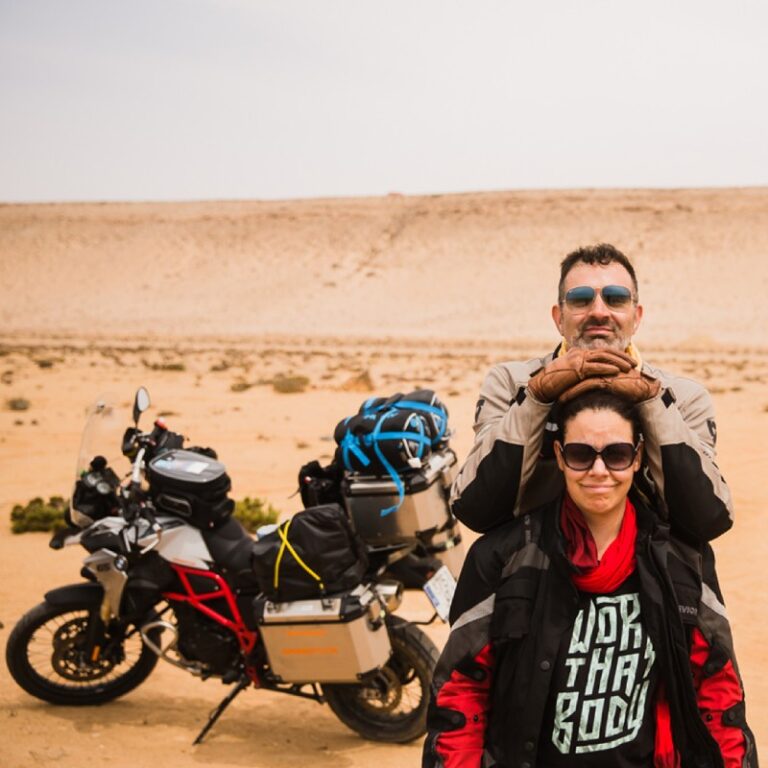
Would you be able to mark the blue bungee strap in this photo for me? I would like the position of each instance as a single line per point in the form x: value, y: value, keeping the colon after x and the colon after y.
x: 415, y: 405
x: 390, y: 469
x: 350, y: 444
x: 355, y: 444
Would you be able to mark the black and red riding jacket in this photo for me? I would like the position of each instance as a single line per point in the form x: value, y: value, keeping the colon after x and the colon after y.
x: 514, y: 605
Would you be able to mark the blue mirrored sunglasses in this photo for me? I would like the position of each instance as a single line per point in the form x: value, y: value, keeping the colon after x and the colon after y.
x: 614, y: 296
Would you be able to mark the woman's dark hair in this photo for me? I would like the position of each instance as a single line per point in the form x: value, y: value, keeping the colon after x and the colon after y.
x: 599, y: 400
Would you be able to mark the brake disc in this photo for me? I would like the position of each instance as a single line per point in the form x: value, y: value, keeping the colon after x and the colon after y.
x: 70, y: 659
x: 384, y: 692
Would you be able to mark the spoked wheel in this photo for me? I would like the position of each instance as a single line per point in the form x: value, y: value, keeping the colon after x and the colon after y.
x: 64, y: 654
x: 392, y: 704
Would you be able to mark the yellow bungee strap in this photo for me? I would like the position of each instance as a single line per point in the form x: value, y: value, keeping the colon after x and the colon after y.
x: 283, y: 533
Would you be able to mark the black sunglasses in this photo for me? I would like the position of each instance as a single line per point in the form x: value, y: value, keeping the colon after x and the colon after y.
x: 614, y: 296
x: 581, y: 457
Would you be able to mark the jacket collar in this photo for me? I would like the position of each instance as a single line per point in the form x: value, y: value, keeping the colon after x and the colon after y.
x: 553, y: 540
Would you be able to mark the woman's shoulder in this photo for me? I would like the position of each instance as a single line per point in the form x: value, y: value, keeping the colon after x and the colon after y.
x: 492, y: 553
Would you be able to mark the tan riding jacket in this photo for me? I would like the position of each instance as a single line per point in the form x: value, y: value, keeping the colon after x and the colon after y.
x: 511, y: 468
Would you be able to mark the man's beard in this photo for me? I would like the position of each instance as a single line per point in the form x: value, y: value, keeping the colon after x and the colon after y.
x: 618, y: 341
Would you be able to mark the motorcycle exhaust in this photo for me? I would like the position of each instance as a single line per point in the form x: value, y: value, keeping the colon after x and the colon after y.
x: 164, y: 652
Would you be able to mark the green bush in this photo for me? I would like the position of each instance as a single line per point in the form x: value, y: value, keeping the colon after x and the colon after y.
x: 39, y: 515
x: 253, y: 513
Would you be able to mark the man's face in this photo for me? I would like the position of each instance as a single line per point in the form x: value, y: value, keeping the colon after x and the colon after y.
x: 598, y: 326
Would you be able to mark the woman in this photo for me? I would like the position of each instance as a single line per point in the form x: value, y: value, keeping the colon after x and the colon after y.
x: 584, y: 634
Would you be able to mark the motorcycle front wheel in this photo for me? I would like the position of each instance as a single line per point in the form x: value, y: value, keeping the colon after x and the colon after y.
x: 64, y: 654
x: 392, y: 704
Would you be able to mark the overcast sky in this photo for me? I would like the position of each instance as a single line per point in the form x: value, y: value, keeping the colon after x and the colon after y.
x: 204, y: 99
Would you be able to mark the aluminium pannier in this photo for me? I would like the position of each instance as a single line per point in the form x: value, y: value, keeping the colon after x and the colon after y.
x: 385, y: 514
x: 345, y: 633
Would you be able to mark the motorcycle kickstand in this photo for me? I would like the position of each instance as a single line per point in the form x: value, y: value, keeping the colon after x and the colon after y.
x: 243, y: 683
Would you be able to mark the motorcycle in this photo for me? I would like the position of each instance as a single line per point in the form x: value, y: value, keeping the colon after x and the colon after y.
x: 169, y: 576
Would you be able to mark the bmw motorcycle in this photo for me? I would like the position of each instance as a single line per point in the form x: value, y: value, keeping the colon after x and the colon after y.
x: 169, y: 575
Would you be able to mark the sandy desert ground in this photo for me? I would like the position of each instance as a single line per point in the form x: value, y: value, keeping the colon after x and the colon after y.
x: 206, y: 303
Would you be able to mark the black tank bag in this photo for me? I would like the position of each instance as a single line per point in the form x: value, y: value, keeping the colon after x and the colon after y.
x: 192, y: 486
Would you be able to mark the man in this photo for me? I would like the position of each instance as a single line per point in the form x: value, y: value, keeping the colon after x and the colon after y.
x: 511, y: 468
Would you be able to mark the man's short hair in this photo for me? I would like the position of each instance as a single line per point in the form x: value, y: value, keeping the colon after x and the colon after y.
x: 602, y: 253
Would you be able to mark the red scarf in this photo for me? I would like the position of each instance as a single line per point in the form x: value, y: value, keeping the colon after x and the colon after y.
x: 618, y: 561
x: 605, y: 576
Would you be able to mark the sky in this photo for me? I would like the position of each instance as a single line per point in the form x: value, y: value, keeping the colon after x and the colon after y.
x: 262, y: 99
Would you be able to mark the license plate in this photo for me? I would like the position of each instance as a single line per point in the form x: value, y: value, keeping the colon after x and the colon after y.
x: 439, y: 590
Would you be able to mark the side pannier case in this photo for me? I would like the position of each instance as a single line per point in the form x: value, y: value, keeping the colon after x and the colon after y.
x: 424, y: 508
x: 336, y: 639
x: 191, y: 486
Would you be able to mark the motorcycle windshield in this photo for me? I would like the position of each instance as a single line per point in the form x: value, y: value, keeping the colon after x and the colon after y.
x: 103, y: 434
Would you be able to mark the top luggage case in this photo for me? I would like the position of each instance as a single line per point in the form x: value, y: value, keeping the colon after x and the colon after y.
x: 424, y: 508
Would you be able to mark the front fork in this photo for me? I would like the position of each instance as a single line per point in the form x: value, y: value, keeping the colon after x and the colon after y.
x: 109, y: 569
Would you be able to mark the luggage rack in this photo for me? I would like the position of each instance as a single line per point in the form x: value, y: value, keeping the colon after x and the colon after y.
x: 435, y: 463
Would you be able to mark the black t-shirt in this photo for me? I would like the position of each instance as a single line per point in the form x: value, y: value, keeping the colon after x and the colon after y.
x: 600, y: 707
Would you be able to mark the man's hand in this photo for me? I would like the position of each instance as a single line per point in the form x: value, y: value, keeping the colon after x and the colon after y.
x: 574, y: 367
x: 633, y: 386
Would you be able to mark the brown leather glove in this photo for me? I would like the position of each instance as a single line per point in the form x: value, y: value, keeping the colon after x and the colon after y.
x: 633, y: 386
x: 573, y: 367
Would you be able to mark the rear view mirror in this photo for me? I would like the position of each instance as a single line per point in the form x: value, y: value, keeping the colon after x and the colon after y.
x: 140, y: 403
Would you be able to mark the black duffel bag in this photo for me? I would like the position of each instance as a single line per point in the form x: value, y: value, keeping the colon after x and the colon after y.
x: 392, y: 435
x: 314, y: 553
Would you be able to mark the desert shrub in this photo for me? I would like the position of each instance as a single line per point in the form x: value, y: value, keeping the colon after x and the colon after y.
x: 240, y: 385
x: 360, y: 382
x: 17, y: 404
x: 166, y: 365
x: 289, y: 384
x: 39, y: 515
x: 253, y: 513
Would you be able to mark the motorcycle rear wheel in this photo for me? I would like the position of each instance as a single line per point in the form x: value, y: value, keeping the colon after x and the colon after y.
x: 46, y: 655
x: 392, y: 705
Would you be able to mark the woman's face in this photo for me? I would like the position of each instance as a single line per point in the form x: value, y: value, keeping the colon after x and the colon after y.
x: 598, y: 490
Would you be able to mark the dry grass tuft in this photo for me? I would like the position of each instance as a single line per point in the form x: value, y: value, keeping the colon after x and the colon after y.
x: 287, y: 385
x: 360, y: 383
x: 165, y: 365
